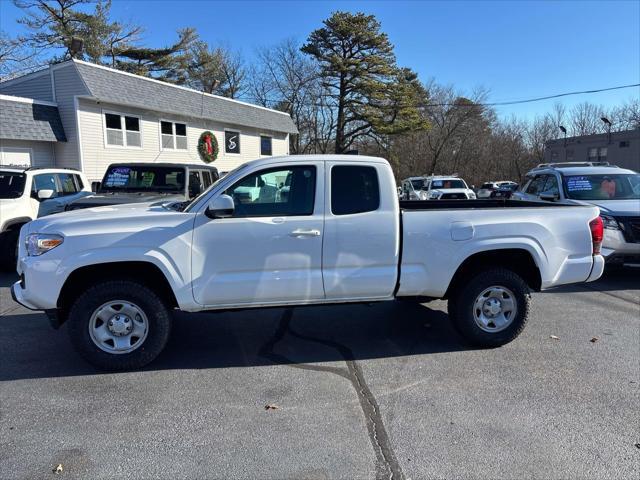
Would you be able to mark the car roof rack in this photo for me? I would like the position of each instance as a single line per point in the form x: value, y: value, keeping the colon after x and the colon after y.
x: 52, y: 168
x: 574, y: 164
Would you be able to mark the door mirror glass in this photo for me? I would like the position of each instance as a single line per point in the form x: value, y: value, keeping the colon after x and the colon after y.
x: 45, y: 194
x: 549, y: 196
x: 220, y: 207
x: 95, y: 186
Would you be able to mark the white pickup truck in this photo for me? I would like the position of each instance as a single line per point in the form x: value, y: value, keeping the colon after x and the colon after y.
x: 296, y: 231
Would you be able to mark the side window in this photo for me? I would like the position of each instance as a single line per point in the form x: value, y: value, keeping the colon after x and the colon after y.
x: 354, y: 189
x: 535, y: 187
x: 206, y: 179
x: 67, y: 184
x: 44, y: 181
x: 195, y: 183
x: 275, y: 192
x: 551, y: 185
x: 79, y: 182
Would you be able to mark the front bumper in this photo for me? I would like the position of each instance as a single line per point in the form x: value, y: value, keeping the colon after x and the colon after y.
x: 17, y: 293
x: 617, y: 250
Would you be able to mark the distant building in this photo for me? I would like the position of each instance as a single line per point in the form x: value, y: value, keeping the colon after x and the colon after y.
x: 85, y: 116
x: 620, y: 148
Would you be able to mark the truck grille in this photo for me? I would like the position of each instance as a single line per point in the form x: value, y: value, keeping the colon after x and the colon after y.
x: 630, y: 227
x: 453, y: 196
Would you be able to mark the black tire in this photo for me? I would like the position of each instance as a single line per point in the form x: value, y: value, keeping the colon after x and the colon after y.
x: 461, y: 306
x: 157, y: 313
x: 9, y: 250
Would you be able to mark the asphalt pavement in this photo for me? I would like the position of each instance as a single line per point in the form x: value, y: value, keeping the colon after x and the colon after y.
x: 365, y: 391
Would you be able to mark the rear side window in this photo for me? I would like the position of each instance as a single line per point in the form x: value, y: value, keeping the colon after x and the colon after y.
x: 354, y: 189
x: 67, y: 183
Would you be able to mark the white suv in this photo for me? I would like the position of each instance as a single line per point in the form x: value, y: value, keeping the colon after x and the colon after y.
x: 447, y: 188
x: 616, y: 191
x: 29, y: 193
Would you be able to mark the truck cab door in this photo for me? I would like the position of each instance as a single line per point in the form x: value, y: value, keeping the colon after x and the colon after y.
x: 361, y: 231
x: 270, y: 249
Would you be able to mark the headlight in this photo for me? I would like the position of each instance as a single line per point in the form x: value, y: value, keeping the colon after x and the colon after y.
x: 610, y: 222
x: 472, y: 195
x: 39, y: 243
x: 433, y: 196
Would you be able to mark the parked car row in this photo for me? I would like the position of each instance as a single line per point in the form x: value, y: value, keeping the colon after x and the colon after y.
x: 615, y: 191
x: 436, y: 187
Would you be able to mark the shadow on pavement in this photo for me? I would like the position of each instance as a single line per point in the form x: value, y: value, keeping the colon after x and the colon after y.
x: 627, y: 278
x: 31, y: 349
x: 7, y: 279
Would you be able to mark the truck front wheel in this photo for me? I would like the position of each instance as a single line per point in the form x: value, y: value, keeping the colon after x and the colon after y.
x: 119, y: 325
x: 492, y: 309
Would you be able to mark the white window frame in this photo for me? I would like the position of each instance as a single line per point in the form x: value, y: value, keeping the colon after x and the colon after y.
x: 260, y: 144
x: 123, y: 130
x: 173, y: 133
x: 224, y: 141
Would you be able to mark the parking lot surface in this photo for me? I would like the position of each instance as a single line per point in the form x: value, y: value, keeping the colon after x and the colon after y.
x: 363, y: 391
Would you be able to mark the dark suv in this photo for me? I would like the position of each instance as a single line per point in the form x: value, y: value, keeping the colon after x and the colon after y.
x: 148, y: 182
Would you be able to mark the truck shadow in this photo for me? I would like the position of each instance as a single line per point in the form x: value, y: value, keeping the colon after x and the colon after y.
x: 627, y: 278
x: 305, y: 335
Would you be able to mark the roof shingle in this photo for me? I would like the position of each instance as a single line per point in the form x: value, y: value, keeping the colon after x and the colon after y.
x: 112, y: 86
x: 20, y: 120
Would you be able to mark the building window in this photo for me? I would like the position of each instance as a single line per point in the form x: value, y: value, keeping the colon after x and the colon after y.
x: 624, y: 144
x: 231, y: 141
x: 173, y: 135
x: 265, y: 145
x: 122, y: 130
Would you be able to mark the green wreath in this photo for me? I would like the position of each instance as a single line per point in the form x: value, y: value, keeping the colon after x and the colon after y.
x: 208, y: 146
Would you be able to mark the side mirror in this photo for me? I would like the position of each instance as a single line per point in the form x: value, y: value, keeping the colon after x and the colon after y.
x: 220, y: 207
x: 549, y: 196
x: 95, y: 186
x: 45, y: 194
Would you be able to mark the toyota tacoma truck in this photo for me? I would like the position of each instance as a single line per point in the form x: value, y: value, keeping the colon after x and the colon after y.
x: 297, y: 230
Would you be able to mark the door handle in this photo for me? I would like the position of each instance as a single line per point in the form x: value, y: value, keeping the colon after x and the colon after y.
x: 305, y: 233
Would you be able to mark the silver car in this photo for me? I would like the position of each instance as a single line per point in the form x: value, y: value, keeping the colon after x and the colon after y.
x: 616, y: 191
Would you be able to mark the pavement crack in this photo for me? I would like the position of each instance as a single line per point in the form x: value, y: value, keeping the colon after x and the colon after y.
x: 387, y: 465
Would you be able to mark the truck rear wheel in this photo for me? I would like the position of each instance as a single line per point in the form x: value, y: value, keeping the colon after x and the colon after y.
x: 119, y: 325
x: 492, y: 309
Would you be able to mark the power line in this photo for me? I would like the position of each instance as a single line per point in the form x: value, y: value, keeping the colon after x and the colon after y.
x: 472, y: 104
x: 548, y: 97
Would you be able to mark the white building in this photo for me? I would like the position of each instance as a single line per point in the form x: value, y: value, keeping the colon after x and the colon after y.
x: 85, y: 116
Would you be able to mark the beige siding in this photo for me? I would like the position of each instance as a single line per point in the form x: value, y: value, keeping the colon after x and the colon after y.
x: 97, y: 156
x: 68, y: 84
x: 41, y: 152
x: 38, y: 87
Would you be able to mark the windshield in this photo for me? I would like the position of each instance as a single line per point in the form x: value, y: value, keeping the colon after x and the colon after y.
x: 417, y: 184
x: 448, y: 183
x: 11, y: 184
x: 187, y: 206
x: 487, y: 185
x: 142, y: 178
x: 619, y: 186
